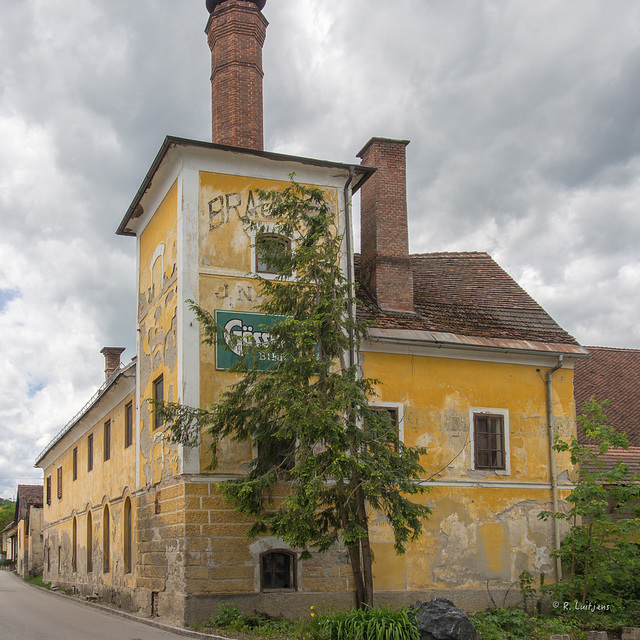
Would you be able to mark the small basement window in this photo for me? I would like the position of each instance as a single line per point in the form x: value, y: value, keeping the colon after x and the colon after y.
x: 277, y: 569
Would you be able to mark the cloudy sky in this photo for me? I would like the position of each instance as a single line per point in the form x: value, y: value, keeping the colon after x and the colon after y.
x: 524, y: 121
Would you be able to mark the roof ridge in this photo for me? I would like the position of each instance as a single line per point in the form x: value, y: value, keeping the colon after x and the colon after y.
x: 450, y: 253
x: 632, y: 349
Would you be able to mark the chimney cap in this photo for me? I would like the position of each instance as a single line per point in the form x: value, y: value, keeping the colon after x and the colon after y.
x: 381, y: 140
x: 212, y: 4
x: 109, y: 350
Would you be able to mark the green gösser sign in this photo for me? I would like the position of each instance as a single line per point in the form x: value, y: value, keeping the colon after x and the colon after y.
x: 247, y: 328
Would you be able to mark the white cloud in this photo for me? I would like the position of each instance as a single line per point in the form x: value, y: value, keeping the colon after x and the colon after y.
x: 525, y: 143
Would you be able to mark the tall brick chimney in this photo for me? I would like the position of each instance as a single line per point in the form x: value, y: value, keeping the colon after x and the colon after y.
x: 386, y: 271
x: 236, y: 31
x: 111, y: 360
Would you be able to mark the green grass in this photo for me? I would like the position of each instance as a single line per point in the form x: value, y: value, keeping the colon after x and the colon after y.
x: 37, y: 581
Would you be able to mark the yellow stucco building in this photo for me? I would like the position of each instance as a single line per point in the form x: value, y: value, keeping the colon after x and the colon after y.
x: 471, y: 368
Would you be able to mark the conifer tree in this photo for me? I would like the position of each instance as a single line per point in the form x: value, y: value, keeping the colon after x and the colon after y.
x: 326, y: 459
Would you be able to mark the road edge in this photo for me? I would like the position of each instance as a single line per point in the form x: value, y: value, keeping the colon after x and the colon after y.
x: 151, y: 622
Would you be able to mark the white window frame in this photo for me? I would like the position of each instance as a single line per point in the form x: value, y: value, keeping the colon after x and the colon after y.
x: 475, y: 411
x: 254, y: 254
x: 399, y: 407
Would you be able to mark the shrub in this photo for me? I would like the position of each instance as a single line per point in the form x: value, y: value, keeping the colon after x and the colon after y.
x: 502, y: 623
x: 600, y: 555
x: 369, y: 624
x: 231, y: 617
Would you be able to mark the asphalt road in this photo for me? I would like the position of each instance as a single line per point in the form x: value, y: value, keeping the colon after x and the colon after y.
x: 28, y: 613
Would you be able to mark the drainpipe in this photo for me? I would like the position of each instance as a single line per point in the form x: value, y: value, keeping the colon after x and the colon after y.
x: 552, y: 461
x: 347, y: 230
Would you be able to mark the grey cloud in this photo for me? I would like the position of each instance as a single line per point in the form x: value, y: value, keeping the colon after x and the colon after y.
x: 525, y: 142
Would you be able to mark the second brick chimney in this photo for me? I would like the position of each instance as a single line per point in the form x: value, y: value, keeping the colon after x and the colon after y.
x: 236, y: 31
x: 111, y: 360
x: 386, y: 271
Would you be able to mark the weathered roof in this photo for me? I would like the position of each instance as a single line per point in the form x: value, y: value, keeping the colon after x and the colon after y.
x: 467, y: 294
x: 630, y: 456
x: 28, y: 495
x: 612, y: 374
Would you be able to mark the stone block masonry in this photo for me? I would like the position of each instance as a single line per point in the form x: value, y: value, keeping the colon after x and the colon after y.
x: 193, y: 550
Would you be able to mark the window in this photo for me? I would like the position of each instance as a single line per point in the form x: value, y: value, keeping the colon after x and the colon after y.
x: 128, y: 425
x: 489, y: 441
x: 396, y: 415
x: 394, y: 439
x: 49, y: 490
x: 268, y: 247
x: 59, y: 478
x: 158, y: 396
x: 107, y: 440
x: 277, y: 569
x: 127, y: 535
x: 89, y: 542
x: 75, y: 463
x: 74, y: 548
x: 90, y: 452
x: 281, y: 452
x: 106, y: 548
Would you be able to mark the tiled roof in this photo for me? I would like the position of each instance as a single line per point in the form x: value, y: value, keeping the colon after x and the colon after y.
x: 466, y: 294
x: 612, y: 374
x: 630, y: 457
x: 28, y: 494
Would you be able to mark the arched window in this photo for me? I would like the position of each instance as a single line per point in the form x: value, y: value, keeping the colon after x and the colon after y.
x: 106, y: 551
x: 89, y: 541
x: 127, y: 536
x: 74, y: 542
x: 278, y: 570
x: 268, y: 247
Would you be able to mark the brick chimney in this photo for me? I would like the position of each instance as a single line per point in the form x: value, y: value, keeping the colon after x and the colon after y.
x: 236, y: 31
x: 111, y: 360
x: 386, y: 271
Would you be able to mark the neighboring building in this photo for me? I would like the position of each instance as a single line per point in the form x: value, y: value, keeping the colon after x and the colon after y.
x: 467, y: 358
x: 89, y: 480
x: 10, y: 542
x: 611, y: 373
x: 27, y: 540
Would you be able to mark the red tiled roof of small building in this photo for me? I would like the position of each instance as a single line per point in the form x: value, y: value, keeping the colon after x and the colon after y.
x: 612, y: 374
x: 466, y: 294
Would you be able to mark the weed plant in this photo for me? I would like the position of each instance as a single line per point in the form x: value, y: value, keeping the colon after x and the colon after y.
x: 516, y: 624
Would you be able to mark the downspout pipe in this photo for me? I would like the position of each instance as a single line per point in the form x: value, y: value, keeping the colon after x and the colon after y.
x: 350, y: 277
x: 552, y: 463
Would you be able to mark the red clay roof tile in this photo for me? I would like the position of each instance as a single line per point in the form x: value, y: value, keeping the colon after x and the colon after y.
x: 466, y: 294
x: 612, y: 374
